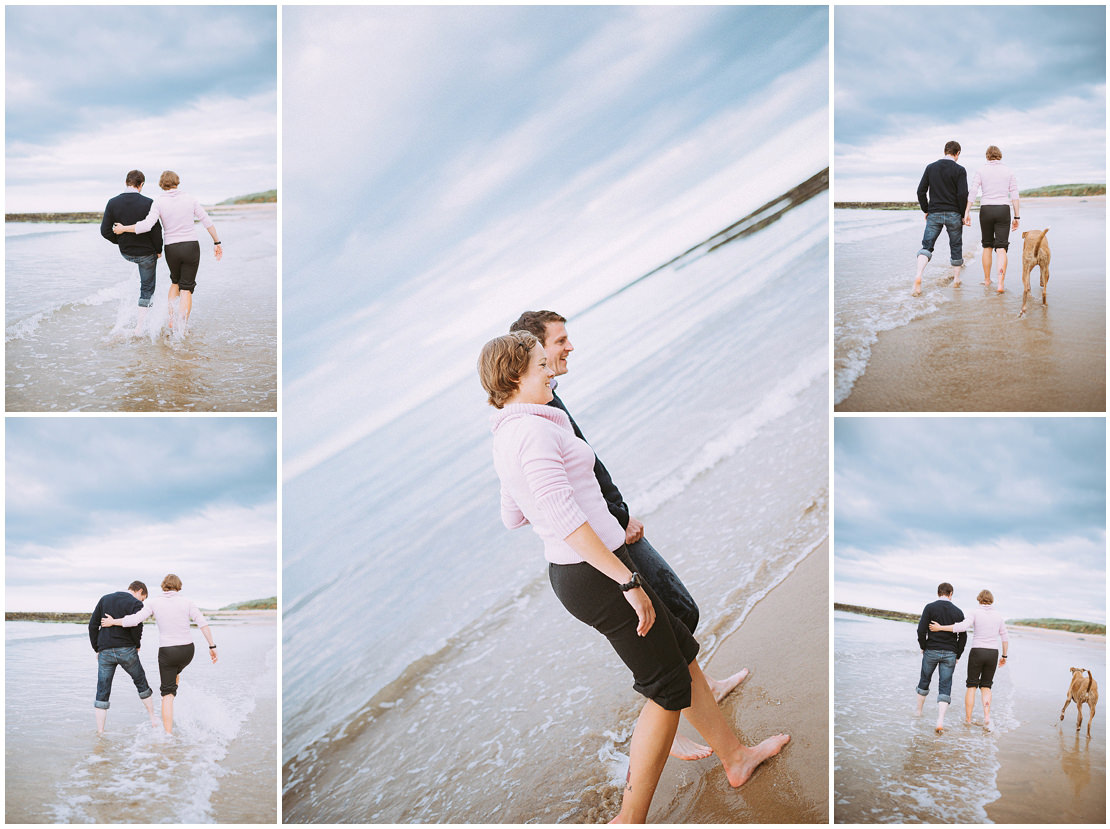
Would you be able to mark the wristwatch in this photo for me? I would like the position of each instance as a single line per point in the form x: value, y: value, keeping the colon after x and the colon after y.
x: 211, y: 647
x: 633, y: 583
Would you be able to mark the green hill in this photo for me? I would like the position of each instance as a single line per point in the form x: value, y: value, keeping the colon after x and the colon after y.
x: 254, y: 198
x: 1066, y: 190
x: 1070, y: 625
x: 254, y: 604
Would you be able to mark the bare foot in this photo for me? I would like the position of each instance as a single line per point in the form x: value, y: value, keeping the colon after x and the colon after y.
x: 721, y: 688
x: 917, y: 287
x: 940, y: 728
x: 1001, y: 290
x: 740, y: 773
x: 683, y: 748
x: 957, y: 284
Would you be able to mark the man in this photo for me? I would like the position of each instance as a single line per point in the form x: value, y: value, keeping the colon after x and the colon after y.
x: 118, y: 646
x: 144, y: 249
x: 939, y: 649
x: 942, y: 195
x: 550, y: 329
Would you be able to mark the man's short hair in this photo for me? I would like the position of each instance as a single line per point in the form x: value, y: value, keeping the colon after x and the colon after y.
x: 168, y: 180
x: 985, y: 597
x: 944, y: 589
x: 135, y: 179
x: 952, y: 148
x: 503, y: 361
x: 993, y: 153
x: 536, y: 322
x: 171, y: 582
x: 138, y: 587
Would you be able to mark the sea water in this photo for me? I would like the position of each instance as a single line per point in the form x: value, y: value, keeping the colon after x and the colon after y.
x: 875, y: 258
x: 71, y: 311
x: 428, y: 673
x: 892, y: 767
x: 218, y: 766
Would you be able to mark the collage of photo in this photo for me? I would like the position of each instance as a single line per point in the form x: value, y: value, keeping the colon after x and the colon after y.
x: 366, y: 357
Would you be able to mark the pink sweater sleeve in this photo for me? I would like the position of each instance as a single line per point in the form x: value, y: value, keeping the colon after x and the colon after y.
x: 1013, y: 187
x: 974, y: 188
x: 200, y: 215
x: 511, y: 516
x: 545, y: 473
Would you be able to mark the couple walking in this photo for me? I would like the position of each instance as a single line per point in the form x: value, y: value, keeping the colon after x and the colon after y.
x: 116, y: 631
x: 600, y: 565
x: 137, y: 225
x: 946, y: 198
x: 942, y: 634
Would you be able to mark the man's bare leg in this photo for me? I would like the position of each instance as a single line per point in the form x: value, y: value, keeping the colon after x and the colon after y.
x: 987, y: 266
x: 922, y: 261
x: 149, y: 703
x: 101, y: 718
x: 142, y: 318
x: 969, y: 704
x: 1001, y: 269
x: 941, y: 708
x: 654, y: 733
x: 920, y: 705
x: 686, y: 749
x: 956, y: 276
x: 740, y: 761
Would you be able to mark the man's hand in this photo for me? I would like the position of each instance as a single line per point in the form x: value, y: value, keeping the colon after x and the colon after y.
x: 643, y: 607
x: 634, y: 532
x: 967, y: 220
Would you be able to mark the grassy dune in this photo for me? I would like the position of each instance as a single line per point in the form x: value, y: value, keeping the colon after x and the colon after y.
x: 1070, y: 625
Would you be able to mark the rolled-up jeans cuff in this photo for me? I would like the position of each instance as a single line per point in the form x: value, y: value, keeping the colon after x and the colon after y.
x: 944, y: 698
x: 149, y: 691
x: 145, y: 302
x: 957, y: 264
x: 928, y: 254
x: 99, y: 704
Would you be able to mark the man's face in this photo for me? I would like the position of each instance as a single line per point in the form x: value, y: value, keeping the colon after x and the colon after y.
x: 557, y: 345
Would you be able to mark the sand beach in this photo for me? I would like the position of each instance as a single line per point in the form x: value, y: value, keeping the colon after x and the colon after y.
x: 965, y: 349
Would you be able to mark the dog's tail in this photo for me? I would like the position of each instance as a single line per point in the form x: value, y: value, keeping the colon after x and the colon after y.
x: 1037, y: 250
x: 1090, y: 682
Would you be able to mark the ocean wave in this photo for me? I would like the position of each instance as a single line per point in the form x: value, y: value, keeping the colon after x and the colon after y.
x: 28, y: 325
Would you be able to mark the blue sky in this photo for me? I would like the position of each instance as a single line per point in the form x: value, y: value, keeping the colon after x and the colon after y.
x: 94, y: 91
x: 1014, y: 505
x: 1029, y: 79
x: 446, y: 167
x: 93, y: 503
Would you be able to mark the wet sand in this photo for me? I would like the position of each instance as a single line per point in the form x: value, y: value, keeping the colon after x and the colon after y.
x: 787, y: 691
x: 1049, y: 773
x: 975, y: 354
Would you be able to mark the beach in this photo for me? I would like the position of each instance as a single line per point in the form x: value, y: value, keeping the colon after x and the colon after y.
x: 71, y: 312
x: 965, y: 349
x: 480, y: 699
x: 217, y: 767
x: 890, y: 767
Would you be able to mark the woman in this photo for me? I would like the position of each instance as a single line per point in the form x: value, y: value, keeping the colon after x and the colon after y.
x: 176, y: 211
x: 172, y: 612
x: 983, y: 658
x: 999, y: 188
x: 547, y: 480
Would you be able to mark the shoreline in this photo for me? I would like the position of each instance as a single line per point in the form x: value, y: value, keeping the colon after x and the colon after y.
x: 79, y: 217
x: 64, y: 618
x: 787, y: 691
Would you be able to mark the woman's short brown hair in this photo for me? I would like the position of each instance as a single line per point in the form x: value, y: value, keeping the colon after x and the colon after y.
x: 503, y: 361
x: 168, y: 180
x: 993, y: 153
x: 985, y: 597
x: 171, y: 582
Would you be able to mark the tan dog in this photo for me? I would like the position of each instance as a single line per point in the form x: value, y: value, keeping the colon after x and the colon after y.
x: 1083, y: 689
x: 1034, y: 254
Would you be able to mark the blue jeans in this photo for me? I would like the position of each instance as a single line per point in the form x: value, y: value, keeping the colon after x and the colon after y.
x: 954, y: 223
x: 667, y: 586
x: 126, y: 658
x: 930, y: 660
x: 148, y: 265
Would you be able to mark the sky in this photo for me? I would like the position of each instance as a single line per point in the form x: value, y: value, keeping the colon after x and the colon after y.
x: 95, y: 503
x: 95, y: 91
x: 1013, y: 505
x: 477, y: 161
x: 1028, y: 79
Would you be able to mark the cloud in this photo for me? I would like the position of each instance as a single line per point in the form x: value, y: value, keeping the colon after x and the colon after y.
x: 1014, y: 502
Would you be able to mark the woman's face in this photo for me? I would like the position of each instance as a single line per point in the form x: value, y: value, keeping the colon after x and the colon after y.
x: 535, y: 385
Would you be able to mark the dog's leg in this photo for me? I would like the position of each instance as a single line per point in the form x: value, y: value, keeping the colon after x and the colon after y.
x: 1044, y: 284
x: 1067, y: 702
x: 1025, y: 269
x: 1091, y: 706
x: 1079, y: 718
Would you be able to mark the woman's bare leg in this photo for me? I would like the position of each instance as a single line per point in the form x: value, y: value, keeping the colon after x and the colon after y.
x: 987, y: 265
x: 969, y: 705
x: 739, y: 760
x: 651, y: 742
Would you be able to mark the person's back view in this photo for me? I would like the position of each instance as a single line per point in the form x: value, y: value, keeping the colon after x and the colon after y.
x: 143, y: 249
x: 939, y: 649
x: 942, y: 194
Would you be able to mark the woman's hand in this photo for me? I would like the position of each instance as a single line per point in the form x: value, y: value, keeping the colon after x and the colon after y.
x: 212, y: 653
x: 935, y: 626
x: 218, y: 252
x: 118, y: 228
x: 643, y: 607
x: 108, y: 622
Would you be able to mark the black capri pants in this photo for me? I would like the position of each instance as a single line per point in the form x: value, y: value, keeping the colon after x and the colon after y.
x: 994, y: 222
x: 659, y: 661
x: 172, y: 661
x: 981, y: 665
x: 183, y: 259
